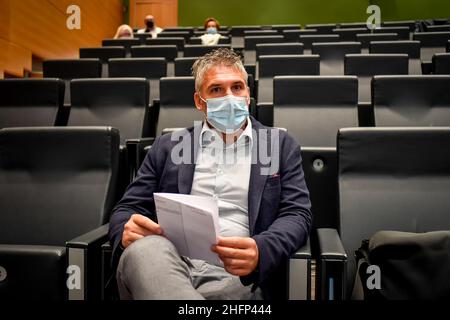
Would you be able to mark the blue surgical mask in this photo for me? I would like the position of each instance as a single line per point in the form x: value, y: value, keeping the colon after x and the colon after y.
x: 211, y: 30
x: 227, y: 114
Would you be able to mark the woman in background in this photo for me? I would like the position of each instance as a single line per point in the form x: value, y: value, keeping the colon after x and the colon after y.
x: 212, y: 35
x: 123, y: 32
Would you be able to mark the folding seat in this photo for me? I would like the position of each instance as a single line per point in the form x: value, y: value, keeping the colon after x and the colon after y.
x: 102, y: 53
x: 198, y: 40
x: 448, y: 46
x: 168, y: 52
x: 150, y: 68
x: 365, y: 66
x: 30, y: 102
x: 332, y: 55
x: 264, y: 49
x: 175, y: 34
x: 179, y: 29
x: 442, y: 28
x: 411, y: 24
x: 277, y: 65
x: 121, y: 103
x: 411, y: 100
x: 349, y: 34
x: 313, y: 109
x: 326, y: 28
x: 431, y: 43
x: 353, y: 25
x: 238, y: 31
x: 57, y: 190
x: 441, y: 63
x: 72, y: 69
x: 222, y: 32
x: 292, y: 35
x: 308, y: 40
x: 250, y: 43
x: 403, y: 32
x: 249, y: 33
x: 177, y: 107
x: 179, y: 42
x: 411, y: 48
x: 389, y: 179
x: 183, y: 66
x: 193, y: 50
x: 142, y: 37
x: 366, y: 38
x: 126, y: 43
x: 283, y: 27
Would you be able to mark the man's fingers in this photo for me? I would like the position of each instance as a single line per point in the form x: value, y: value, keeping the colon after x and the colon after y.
x: 133, y: 227
x: 226, y: 252
x: 147, y: 223
x: 130, y: 237
x: 235, y: 242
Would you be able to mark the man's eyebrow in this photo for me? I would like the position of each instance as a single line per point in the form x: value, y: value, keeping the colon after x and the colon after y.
x: 219, y: 84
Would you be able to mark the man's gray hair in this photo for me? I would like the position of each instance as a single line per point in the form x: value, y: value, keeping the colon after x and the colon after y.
x: 219, y: 57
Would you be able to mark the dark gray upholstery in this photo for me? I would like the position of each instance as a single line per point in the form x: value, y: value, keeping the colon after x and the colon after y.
x: 443, y: 28
x: 30, y: 102
x: 312, y: 109
x: 282, y: 27
x: 431, y: 43
x: 264, y: 49
x: 195, y: 50
x: 270, y: 66
x: 126, y: 43
x: 441, y: 63
x: 64, y: 182
x: 175, y: 34
x: 392, y: 179
x: 411, y: 24
x: 120, y: 103
x: 411, y: 100
x: 198, y: 40
x: 349, y: 34
x: 160, y: 41
x: 292, y: 35
x: 103, y: 53
x: 332, y: 55
x: 142, y: 36
x: 365, y: 38
x: 411, y: 48
x: 250, y: 43
x: 402, y: 31
x: 238, y: 31
x: 150, y: 68
x: 248, y: 33
x: 365, y: 66
x: 177, y: 107
x: 353, y: 25
x: 169, y: 52
x: 309, y: 39
x: 325, y: 28
x: 183, y: 66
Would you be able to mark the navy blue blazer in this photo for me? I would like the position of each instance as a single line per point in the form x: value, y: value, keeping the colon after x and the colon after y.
x: 278, y: 202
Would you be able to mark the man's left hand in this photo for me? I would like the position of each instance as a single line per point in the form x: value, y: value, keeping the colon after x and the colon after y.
x: 239, y: 255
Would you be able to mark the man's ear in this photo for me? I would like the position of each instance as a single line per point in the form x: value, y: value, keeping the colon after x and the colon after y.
x: 199, y: 103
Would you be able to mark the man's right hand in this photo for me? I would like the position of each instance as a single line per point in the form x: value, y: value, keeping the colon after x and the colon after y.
x: 139, y: 227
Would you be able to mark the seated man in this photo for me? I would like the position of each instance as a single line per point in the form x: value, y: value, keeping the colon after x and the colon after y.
x: 264, y: 207
x: 150, y: 27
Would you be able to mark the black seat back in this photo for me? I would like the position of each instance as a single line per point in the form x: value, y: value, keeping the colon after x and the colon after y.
x: 102, y: 53
x: 264, y: 49
x: 183, y: 66
x: 441, y: 63
x: 332, y: 55
x: 169, y: 52
x: 30, y: 102
x: 195, y: 50
x: 161, y: 41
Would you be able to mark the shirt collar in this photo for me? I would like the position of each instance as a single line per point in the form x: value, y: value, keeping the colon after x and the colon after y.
x: 211, y: 137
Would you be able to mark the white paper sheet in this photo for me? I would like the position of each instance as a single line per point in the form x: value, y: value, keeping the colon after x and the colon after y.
x: 191, y: 223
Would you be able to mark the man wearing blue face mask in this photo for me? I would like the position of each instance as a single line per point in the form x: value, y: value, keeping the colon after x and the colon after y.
x: 263, y: 201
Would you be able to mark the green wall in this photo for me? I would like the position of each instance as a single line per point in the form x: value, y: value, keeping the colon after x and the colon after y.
x: 263, y: 12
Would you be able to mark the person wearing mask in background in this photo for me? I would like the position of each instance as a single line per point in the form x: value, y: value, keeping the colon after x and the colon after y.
x: 150, y: 27
x: 124, y: 32
x: 212, y: 35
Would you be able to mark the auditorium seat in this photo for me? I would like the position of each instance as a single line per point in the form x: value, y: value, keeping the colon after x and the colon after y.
x: 198, y: 40
x: 326, y: 28
x: 72, y: 69
x: 126, y: 43
x: 168, y: 52
x: 264, y: 49
x: 292, y: 35
x: 411, y: 24
x: 403, y: 32
x: 177, y: 110
x: 142, y: 37
x: 183, y: 66
x: 353, y: 25
x: 175, y: 34
x: 366, y: 38
x: 411, y: 100
x: 389, y: 179
x: 312, y: 109
x: 448, y: 46
x: 431, y: 43
x: 441, y: 63
x: 250, y: 43
x: 283, y: 27
x: 222, y: 31
x: 103, y: 53
x: 248, y: 33
x: 308, y: 39
x: 121, y: 103
x: 332, y: 55
x: 57, y: 190
x: 193, y: 50
x: 30, y: 102
x: 411, y: 48
x: 365, y: 66
x: 442, y: 28
x: 278, y: 65
x: 349, y: 34
x: 179, y: 42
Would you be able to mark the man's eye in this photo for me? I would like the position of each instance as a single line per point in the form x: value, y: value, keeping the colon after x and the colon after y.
x: 237, y: 87
x: 215, y: 90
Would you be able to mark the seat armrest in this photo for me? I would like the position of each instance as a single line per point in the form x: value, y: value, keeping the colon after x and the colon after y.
x: 84, y: 264
x: 331, y: 266
x: 299, y: 274
x: 136, y: 153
